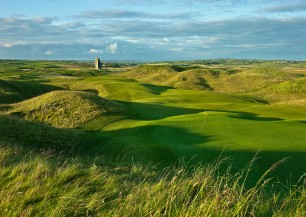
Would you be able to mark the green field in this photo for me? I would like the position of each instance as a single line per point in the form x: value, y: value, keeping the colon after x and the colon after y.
x: 158, y: 114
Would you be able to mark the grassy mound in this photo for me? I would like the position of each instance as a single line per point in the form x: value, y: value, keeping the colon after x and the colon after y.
x: 25, y: 133
x: 146, y: 70
x: 229, y: 80
x: 16, y: 91
x: 166, y: 75
x: 288, y: 92
x: 67, y: 109
x: 8, y: 92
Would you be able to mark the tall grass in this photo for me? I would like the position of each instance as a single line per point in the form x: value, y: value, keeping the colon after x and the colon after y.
x: 43, y: 183
x: 66, y: 109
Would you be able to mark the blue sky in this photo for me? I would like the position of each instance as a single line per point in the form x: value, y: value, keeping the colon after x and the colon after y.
x: 152, y: 30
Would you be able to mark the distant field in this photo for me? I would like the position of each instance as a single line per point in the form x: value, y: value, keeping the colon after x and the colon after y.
x: 161, y: 113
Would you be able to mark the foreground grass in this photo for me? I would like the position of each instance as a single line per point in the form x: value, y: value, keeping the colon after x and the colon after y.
x: 43, y: 183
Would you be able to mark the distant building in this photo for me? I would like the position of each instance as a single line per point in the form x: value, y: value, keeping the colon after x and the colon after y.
x: 98, y: 64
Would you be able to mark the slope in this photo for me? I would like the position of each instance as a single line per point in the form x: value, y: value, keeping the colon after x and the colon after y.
x: 16, y: 91
x: 292, y: 92
x: 66, y: 109
x: 166, y: 75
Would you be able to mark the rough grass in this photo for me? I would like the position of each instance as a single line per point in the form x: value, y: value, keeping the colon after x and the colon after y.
x: 35, y: 135
x: 219, y: 79
x: 47, y: 184
x: 232, y: 80
x: 288, y: 92
x: 167, y: 75
x: 67, y: 109
x: 16, y: 91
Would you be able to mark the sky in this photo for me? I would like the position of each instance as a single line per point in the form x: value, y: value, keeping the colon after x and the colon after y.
x: 152, y: 30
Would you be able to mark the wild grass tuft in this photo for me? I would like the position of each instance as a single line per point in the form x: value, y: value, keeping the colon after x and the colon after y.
x: 44, y: 184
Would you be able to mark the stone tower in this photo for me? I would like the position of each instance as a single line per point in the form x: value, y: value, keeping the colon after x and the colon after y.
x: 98, y: 64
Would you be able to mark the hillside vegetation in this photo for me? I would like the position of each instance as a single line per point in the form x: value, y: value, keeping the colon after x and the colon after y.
x: 16, y: 91
x: 167, y: 76
x: 67, y: 109
x: 22, y: 133
x: 268, y: 83
x: 288, y: 92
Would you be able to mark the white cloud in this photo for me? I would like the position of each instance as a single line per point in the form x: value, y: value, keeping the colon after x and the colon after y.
x: 133, y: 41
x: 93, y: 50
x: 7, y: 45
x: 50, y: 52
x: 12, y: 44
x: 166, y: 39
x: 112, y: 48
x: 177, y: 49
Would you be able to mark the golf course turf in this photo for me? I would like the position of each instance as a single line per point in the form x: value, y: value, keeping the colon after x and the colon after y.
x: 196, y: 116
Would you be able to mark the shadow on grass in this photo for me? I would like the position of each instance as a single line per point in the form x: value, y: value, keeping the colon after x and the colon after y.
x: 94, y: 91
x: 39, y: 136
x: 253, y: 117
x: 165, y: 146
x: 157, y: 90
x: 155, y: 143
x: 159, y: 145
x: 21, y: 90
x: 154, y: 111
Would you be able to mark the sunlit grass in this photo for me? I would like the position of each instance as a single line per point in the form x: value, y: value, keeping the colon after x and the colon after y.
x: 67, y: 109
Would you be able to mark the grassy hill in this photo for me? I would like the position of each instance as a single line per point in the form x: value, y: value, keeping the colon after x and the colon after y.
x: 270, y: 84
x: 166, y: 75
x: 23, y: 133
x: 67, y: 109
x: 218, y: 78
x: 16, y: 91
x: 287, y: 92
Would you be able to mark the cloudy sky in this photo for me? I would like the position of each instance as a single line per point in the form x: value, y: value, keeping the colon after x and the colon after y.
x: 152, y: 30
